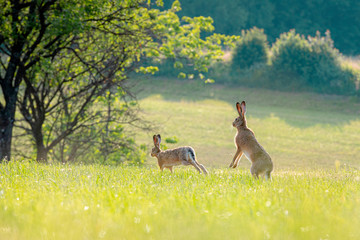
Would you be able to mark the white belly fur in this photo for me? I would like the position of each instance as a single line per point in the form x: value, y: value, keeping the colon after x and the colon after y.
x: 247, y: 155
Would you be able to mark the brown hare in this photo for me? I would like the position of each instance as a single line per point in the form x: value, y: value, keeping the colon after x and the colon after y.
x: 175, y: 157
x: 247, y: 144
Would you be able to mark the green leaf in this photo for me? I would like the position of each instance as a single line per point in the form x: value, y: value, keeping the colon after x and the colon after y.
x: 209, y: 80
x: 182, y: 75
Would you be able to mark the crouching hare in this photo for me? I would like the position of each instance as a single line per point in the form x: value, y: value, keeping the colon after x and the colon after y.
x: 175, y: 157
x: 247, y: 144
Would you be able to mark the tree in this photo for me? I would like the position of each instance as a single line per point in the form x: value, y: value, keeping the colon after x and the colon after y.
x: 68, y: 54
x: 26, y: 37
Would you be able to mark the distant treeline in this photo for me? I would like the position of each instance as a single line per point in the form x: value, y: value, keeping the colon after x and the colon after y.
x: 341, y: 17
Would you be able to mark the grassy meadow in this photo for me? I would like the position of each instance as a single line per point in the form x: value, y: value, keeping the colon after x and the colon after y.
x: 314, y: 141
x: 101, y: 202
x: 299, y: 130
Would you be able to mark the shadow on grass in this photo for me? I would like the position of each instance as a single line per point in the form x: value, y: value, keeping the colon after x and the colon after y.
x: 300, y: 110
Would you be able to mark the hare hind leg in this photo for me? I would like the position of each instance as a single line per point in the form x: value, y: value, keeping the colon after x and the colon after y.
x: 199, y: 165
x: 268, y: 175
x: 202, y: 168
x: 254, y: 171
x: 192, y: 160
x: 256, y: 176
x: 195, y: 166
x: 257, y: 170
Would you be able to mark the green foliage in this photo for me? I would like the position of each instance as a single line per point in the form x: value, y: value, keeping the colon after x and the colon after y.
x: 294, y: 63
x: 184, y: 52
x: 172, y: 140
x: 328, y: 75
x: 172, y: 67
x: 103, y: 202
x: 74, y: 52
x: 104, y: 139
x: 251, y: 49
x: 291, y: 54
x: 291, y: 47
x: 315, y: 62
x: 341, y: 17
x: 183, y: 41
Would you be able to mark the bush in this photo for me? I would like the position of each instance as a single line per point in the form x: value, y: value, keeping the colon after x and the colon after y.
x: 328, y: 75
x: 172, y: 140
x: 314, y: 64
x: 291, y: 55
x: 252, y: 49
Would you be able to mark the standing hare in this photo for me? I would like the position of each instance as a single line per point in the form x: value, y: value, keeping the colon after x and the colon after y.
x: 247, y: 144
x: 175, y: 157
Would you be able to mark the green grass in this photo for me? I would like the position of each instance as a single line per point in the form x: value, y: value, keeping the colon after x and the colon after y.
x: 314, y: 141
x: 100, y: 202
x: 299, y: 130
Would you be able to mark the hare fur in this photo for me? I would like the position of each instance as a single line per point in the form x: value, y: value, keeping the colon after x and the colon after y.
x: 246, y: 143
x: 175, y: 157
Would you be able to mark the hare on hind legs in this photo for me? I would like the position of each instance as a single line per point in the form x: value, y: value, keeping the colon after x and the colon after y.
x: 175, y: 157
x: 246, y: 143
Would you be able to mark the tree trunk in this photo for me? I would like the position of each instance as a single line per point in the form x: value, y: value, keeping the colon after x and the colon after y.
x: 42, y: 151
x: 9, y: 86
x: 6, y: 126
x: 41, y: 154
x: 7, y: 118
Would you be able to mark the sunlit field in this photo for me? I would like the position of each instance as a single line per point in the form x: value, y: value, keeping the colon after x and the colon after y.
x: 314, y: 141
x: 299, y: 130
x: 100, y: 202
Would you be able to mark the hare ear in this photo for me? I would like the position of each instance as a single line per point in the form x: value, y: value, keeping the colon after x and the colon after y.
x: 243, y: 107
x: 155, y: 140
x: 159, y: 139
x: 238, y: 107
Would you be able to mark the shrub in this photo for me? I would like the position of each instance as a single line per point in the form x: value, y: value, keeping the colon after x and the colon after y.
x: 252, y: 49
x: 172, y: 140
x: 328, y: 75
x: 314, y: 63
x: 291, y: 55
